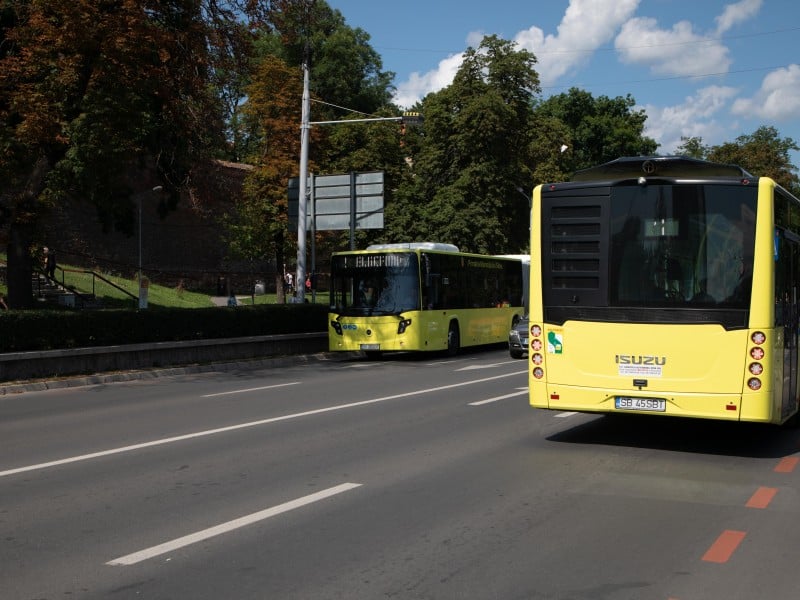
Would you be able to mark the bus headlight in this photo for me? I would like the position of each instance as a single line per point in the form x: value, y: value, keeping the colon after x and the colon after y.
x: 337, y: 327
x: 401, y: 326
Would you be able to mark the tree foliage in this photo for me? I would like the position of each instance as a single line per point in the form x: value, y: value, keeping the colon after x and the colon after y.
x: 97, y: 93
x: 257, y: 230
x: 598, y: 129
x: 472, y: 154
x: 762, y: 153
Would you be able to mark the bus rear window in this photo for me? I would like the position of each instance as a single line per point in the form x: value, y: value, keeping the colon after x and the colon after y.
x: 682, y: 245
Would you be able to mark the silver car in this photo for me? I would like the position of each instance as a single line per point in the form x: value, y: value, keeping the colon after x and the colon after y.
x: 518, y: 338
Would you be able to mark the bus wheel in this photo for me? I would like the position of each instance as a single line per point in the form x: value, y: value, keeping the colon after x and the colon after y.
x: 453, y: 339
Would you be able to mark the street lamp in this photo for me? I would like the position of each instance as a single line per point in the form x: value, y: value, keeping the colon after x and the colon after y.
x: 155, y: 190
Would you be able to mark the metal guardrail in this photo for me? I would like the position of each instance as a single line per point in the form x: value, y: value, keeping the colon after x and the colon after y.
x: 84, y: 297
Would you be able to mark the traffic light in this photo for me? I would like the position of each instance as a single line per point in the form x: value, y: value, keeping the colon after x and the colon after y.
x: 412, y: 119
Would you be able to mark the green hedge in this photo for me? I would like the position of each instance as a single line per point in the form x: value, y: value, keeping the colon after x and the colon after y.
x: 53, y: 329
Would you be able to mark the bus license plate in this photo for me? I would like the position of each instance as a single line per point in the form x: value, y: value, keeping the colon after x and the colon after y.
x: 370, y: 346
x: 648, y: 404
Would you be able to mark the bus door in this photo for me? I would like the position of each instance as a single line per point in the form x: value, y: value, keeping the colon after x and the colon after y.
x: 787, y: 281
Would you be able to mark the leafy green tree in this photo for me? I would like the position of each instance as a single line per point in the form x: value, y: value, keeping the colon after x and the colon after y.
x: 472, y: 154
x: 762, y: 153
x: 600, y: 129
x: 346, y: 72
x: 100, y: 100
x: 257, y: 230
x: 692, y: 147
x: 346, y: 80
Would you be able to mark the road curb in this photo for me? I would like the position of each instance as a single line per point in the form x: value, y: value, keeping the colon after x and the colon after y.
x: 41, y: 385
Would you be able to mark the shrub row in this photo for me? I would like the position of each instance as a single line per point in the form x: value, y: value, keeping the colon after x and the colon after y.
x: 57, y: 329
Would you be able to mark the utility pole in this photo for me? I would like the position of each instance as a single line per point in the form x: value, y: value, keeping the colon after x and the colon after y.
x: 305, y: 127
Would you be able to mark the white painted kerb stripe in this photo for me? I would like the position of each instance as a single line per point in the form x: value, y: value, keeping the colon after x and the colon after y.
x: 496, y: 398
x: 189, y: 436
x: 187, y: 540
x: 255, y: 389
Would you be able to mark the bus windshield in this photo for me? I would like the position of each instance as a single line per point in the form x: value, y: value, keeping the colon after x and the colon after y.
x: 375, y: 283
x: 681, y: 245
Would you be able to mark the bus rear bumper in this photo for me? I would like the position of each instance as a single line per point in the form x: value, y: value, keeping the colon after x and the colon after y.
x: 729, y: 407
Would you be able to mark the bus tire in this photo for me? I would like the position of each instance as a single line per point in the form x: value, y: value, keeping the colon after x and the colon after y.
x: 453, y: 339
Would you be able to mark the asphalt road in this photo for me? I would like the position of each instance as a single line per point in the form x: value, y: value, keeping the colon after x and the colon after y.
x: 409, y: 478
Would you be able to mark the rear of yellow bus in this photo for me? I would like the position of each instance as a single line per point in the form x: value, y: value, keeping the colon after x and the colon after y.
x: 657, y: 296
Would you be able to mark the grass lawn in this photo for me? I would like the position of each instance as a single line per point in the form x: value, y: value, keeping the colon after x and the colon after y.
x: 158, y: 295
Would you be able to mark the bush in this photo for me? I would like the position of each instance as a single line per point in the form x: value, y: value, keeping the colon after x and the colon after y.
x: 57, y: 329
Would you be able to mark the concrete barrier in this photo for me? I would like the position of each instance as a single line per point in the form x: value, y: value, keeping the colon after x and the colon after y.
x: 20, y: 366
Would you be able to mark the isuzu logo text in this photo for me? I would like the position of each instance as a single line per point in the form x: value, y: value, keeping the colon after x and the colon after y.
x: 630, y: 359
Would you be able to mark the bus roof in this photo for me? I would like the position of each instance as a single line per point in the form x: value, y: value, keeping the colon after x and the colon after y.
x: 631, y: 167
x: 415, y: 246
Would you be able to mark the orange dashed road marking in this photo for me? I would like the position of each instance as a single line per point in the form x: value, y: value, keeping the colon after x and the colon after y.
x: 787, y: 464
x: 724, y: 547
x: 762, y: 497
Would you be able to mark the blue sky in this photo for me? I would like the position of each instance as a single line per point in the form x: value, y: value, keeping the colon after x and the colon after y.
x: 704, y: 68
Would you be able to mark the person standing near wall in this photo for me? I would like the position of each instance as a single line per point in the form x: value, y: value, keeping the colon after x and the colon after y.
x: 49, y: 262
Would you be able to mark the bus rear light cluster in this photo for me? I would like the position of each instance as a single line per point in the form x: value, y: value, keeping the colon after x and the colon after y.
x: 757, y: 353
x: 537, y: 344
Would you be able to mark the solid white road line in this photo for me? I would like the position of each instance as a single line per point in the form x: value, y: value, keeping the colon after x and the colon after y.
x: 255, y: 389
x: 189, y: 436
x: 199, y: 536
x: 564, y: 415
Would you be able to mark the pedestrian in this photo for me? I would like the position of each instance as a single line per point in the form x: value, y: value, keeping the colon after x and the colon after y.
x: 49, y: 262
x: 308, y: 283
x: 232, y: 300
x: 3, y: 305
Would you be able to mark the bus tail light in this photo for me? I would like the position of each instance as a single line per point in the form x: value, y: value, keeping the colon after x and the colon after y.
x: 757, y: 353
x: 401, y: 327
x: 537, y: 344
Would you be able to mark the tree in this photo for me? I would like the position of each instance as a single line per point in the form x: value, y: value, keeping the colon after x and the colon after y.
x: 346, y: 79
x: 97, y: 97
x: 692, y: 147
x: 762, y: 153
x: 346, y: 72
x: 600, y: 129
x: 472, y: 154
x: 272, y: 114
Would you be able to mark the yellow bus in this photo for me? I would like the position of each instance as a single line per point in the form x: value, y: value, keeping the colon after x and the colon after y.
x: 665, y: 286
x: 421, y: 297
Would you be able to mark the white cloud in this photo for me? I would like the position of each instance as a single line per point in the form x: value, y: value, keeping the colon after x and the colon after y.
x: 678, y: 51
x: 778, y: 99
x: 695, y: 117
x: 737, y: 13
x: 411, y: 91
x: 587, y: 25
